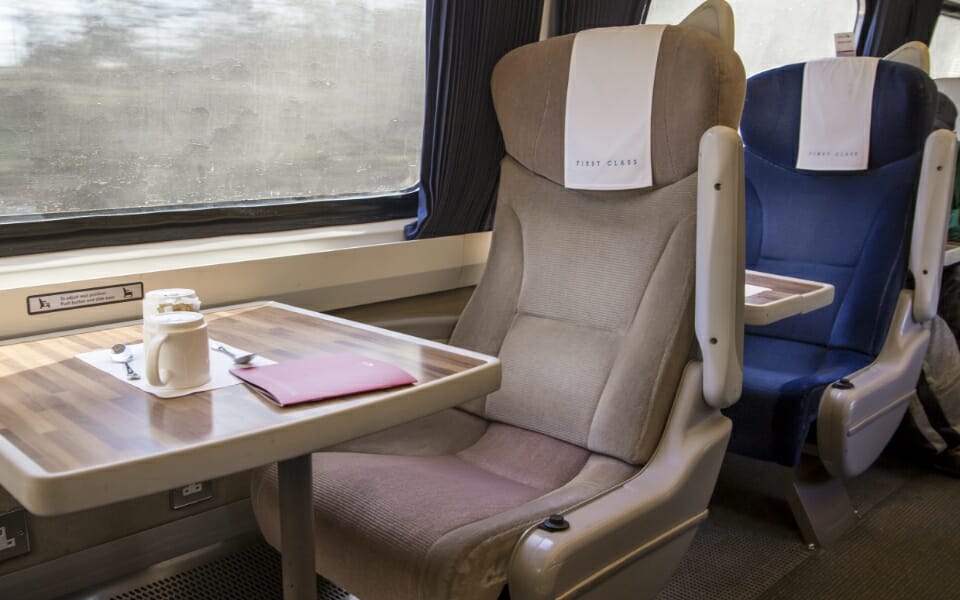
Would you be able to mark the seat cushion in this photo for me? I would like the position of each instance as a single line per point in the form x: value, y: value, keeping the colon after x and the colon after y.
x: 783, y: 381
x: 436, y: 525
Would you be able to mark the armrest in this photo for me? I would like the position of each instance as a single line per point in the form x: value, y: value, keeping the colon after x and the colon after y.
x: 720, y: 264
x: 930, y: 220
x: 626, y: 543
x: 855, y: 424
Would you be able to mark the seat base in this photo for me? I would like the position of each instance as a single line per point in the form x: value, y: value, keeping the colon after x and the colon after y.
x: 819, y: 502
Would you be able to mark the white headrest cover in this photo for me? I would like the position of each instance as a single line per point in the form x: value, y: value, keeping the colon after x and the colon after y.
x: 609, y: 106
x: 836, y: 108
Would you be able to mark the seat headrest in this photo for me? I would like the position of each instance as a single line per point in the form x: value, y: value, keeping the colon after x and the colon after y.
x: 697, y: 82
x: 713, y: 16
x: 912, y: 53
x: 902, y: 106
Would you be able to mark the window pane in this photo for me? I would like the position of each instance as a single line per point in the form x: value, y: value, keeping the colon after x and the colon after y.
x: 945, y: 48
x: 773, y: 33
x: 144, y: 103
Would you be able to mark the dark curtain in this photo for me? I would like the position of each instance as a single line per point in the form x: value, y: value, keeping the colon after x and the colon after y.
x: 577, y: 15
x: 462, y: 145
x: 888, y: 24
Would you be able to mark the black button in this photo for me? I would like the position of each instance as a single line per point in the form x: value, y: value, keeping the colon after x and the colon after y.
x: 554, y: 523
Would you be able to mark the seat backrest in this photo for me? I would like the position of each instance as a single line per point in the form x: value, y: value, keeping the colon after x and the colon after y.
x: 950, y: 87
x: 588, y: 293
x: 850, y: 228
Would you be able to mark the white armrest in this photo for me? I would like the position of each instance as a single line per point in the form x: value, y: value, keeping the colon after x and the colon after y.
x: 720, y: 265
x: 627, y: 542
x: 856, y: 421
x: 930, y: 220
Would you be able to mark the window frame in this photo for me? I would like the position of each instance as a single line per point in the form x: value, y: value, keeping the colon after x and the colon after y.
x: 37, y: 233
x: 72, y: 231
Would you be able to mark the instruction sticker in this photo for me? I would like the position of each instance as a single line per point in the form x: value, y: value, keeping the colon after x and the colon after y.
x: 45, y: 303
x: 845, y: 44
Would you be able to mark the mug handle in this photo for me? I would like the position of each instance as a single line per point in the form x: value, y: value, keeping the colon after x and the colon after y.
x: 153, y: 361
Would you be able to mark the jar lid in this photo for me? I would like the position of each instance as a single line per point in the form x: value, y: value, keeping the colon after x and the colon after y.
x: 170, y: 293
x: 176, y: 321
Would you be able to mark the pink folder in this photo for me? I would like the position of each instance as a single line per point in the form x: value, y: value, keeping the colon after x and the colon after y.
x: 321, y: 377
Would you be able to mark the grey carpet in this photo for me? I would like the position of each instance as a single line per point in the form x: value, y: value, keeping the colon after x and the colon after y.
x: 906, y: 545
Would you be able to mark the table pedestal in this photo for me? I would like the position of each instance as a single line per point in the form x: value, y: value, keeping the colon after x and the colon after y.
x: 296, y: 528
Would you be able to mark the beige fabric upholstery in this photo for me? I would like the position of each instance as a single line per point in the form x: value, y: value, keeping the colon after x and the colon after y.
x: 587, y: 298
x: 436, y: 526
x: 577, y: 363
x: 699, y: 84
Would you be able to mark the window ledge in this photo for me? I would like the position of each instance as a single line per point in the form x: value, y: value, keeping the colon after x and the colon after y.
x: 320, y: 269
x: 118, y: 261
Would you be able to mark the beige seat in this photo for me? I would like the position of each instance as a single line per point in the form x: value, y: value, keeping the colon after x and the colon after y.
x: 588, y: 299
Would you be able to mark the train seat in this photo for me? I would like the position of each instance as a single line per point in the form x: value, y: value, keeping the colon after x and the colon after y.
x: 607, y: 413
x: 950, y: 86
x: 866, y: 224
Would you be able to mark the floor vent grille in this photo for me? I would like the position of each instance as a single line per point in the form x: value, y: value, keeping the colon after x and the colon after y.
x: 252, y: 573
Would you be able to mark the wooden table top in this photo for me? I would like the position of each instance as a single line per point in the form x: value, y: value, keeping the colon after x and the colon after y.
x: 787, y: 296
x: 72, y: 437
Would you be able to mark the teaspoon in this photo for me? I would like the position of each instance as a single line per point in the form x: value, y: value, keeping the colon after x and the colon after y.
x: 122, y: 354
x: 238, y: 359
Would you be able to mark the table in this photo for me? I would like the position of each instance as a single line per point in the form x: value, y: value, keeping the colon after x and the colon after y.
x: 951, y: 254
x: 787, y: 296
x: 73, y: 437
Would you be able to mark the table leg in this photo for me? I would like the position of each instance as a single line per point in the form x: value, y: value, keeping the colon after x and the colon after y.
x: 296, y: 528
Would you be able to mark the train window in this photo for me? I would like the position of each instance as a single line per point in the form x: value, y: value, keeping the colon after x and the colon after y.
x: 771, y: 34
x: 147, y: 105
x: 945, y: 45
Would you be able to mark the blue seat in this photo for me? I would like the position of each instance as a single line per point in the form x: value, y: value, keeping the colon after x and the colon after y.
x: 851, y: 229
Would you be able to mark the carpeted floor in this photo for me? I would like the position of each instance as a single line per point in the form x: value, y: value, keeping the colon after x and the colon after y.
x: 906, y: 545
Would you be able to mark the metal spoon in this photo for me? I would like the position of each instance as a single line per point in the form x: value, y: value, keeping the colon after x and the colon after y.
x: 122, y: 354
x: 241, y: 359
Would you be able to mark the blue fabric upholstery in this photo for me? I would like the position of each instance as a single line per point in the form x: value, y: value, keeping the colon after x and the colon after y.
x: 851, y: 229
x: 783, y: 382
x: 904, y: 102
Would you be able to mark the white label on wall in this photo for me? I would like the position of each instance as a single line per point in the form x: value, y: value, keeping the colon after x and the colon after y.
x: 44, y: 303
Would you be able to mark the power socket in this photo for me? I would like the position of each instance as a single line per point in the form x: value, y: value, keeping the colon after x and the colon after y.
x: 191, y: 494
x: 14, y: 538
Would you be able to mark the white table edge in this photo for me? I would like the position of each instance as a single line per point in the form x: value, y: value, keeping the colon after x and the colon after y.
x: 795, y: 304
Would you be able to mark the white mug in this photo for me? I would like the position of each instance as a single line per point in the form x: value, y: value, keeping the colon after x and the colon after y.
x: 157, y: 302
x: 178, y: 353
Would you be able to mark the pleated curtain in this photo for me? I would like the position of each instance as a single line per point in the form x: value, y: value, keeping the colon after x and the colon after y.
x: 577, y: 15
x: 888, y: 24
x: 462, y: 145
